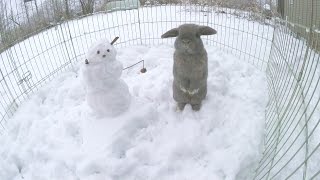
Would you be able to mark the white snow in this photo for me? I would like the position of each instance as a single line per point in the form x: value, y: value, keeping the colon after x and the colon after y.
x: 250, y: 41
x: 54, y: 136
x: 267, y: 7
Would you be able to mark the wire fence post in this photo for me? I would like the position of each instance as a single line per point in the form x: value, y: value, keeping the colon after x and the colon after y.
x: 139, y: 22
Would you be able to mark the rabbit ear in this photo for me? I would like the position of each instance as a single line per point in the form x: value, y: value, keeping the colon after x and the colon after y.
x: 171, y: 33
x: 206, y: 30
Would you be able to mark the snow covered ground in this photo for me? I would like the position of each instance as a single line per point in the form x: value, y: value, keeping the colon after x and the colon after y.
x: 38, y: 59
x: 55, y: 136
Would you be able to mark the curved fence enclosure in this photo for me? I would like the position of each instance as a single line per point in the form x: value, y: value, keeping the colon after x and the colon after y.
x: 39, y: 40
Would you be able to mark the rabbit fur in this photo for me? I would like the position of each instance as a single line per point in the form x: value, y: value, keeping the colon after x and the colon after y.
x: 190, y: 68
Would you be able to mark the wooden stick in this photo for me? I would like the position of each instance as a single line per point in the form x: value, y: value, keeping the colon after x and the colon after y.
x: 115, y: 39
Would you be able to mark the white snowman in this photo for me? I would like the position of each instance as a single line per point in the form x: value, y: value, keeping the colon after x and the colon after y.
x: 107, y: 94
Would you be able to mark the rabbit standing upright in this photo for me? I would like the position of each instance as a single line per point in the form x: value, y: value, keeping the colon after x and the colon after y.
x: 190, y: 68
x: 107, y: 93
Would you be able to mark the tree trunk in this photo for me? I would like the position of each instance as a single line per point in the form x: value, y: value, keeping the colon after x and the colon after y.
x: 87, y: 6
x: 36, y: 4
x: 66, y: 3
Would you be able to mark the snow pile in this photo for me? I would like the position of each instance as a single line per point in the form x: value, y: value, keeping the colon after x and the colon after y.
x: 55, y: 136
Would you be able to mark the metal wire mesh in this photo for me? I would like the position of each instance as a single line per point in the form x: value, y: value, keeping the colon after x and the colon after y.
x: 43, y: 39
x: 292, y: 118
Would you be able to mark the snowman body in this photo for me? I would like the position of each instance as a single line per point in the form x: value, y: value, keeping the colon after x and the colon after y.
x: 107, y: 93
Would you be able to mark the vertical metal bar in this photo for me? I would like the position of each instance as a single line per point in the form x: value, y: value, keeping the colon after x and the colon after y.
x: 139, y: 22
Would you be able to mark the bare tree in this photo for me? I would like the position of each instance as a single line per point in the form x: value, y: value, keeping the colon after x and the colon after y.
x: 87, y: 6
x: 36, y: 5
x: 56, y: 6
x: 27, y: 10
x: 66, y: 4
x: 3, y: 23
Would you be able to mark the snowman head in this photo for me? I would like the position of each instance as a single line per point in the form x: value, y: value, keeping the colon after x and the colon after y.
x: 102, y: 51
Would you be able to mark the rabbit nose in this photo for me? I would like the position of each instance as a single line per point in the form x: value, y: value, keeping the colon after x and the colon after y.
x: 186, y: 41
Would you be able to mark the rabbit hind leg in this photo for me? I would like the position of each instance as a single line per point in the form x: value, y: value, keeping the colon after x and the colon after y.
x: 196, y: 107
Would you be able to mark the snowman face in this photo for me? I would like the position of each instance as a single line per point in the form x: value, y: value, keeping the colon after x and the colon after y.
x: 103, y: 51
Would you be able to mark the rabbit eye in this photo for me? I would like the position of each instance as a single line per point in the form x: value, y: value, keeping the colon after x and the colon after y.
x: 104, y: 55
x: 98, y: 52
x: 108, y: 50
